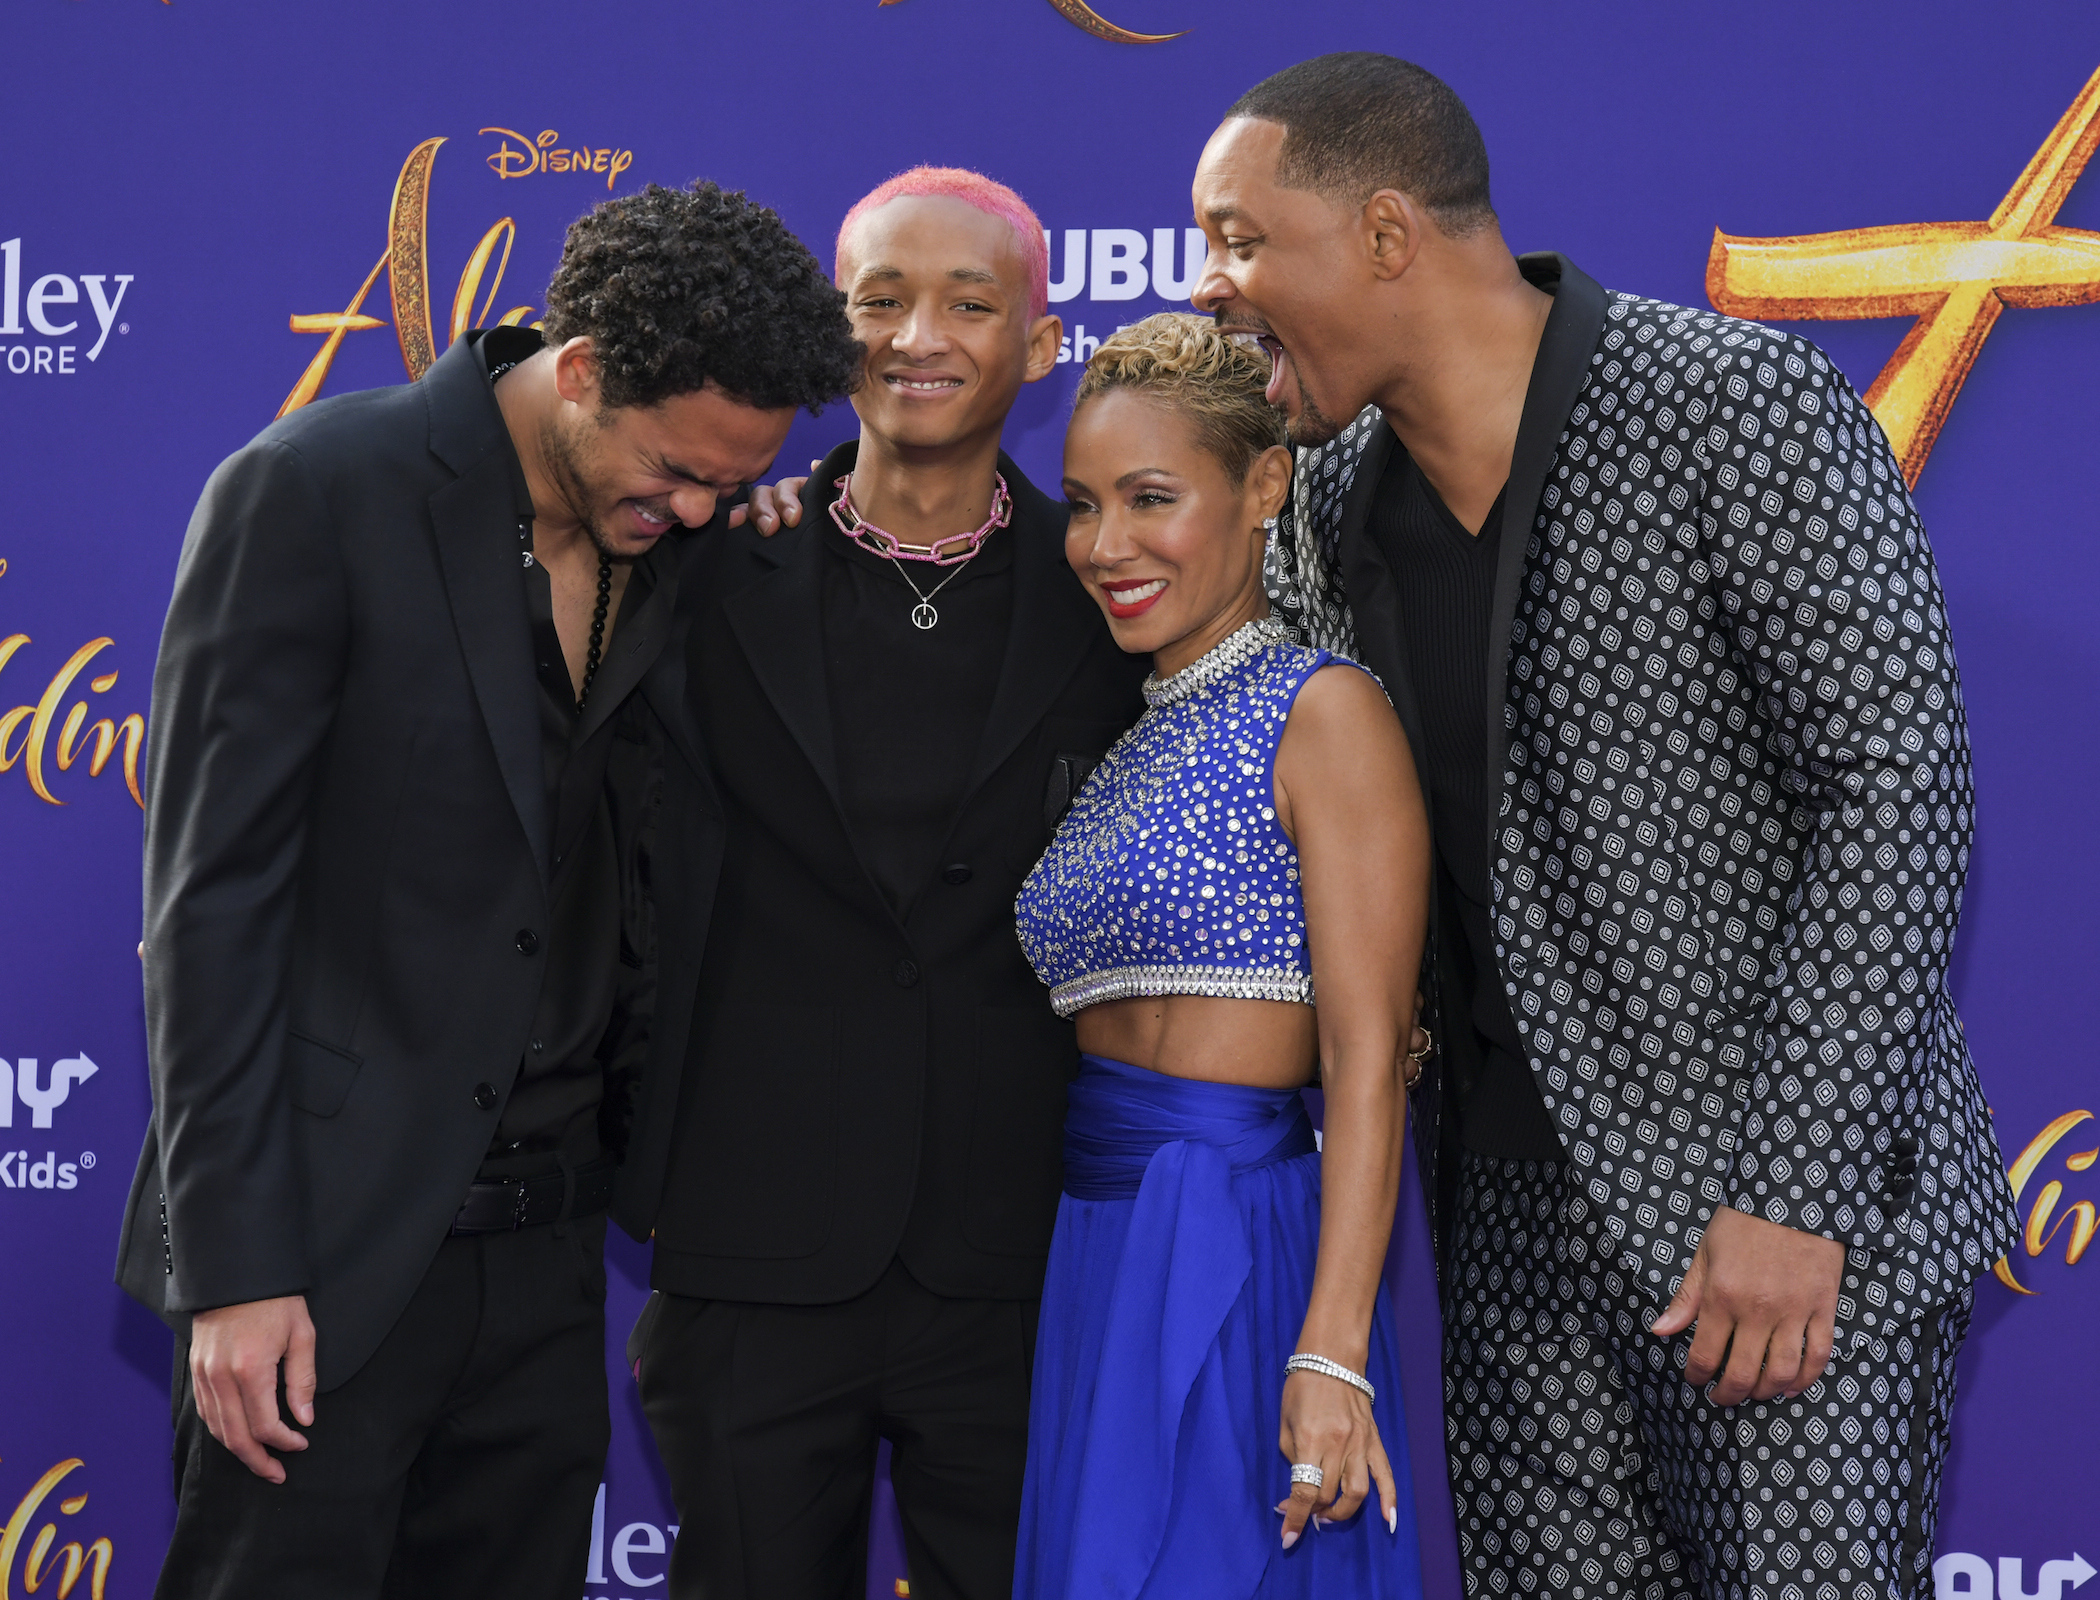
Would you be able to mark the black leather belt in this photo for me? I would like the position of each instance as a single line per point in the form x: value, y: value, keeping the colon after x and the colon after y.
x: 518, y: 1203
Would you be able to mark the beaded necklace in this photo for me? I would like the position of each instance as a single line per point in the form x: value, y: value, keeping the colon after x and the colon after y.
x: 596, y: 649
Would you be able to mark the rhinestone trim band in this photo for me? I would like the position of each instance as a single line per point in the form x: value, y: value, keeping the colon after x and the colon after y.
x: 1216, y: 983
x: 1220, y: 660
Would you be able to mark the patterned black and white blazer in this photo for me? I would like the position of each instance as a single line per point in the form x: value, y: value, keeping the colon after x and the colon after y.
x: 1734, y: 805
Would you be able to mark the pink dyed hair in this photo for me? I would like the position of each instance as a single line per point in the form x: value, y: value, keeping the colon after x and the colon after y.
x: 972, y: 189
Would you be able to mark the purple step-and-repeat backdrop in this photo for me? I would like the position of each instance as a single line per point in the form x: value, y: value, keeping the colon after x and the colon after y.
x: 214, y: 208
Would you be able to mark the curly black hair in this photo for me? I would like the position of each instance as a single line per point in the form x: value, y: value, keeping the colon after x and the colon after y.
x: 681, y: 287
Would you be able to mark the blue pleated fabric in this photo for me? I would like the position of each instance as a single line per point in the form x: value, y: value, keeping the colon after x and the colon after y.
x: 1179, y: 1277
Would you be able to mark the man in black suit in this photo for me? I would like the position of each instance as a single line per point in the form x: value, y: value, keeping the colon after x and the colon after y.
x: 429, y: 851
x: 856, y: 1212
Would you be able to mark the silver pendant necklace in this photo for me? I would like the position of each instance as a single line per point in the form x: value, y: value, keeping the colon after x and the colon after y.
x: 923, y: 615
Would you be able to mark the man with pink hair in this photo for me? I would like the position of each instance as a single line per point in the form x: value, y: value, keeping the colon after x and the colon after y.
x: 898, y: 693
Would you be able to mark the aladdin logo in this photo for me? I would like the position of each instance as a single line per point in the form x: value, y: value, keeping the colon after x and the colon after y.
x: 406, y: 262
x: 1959, y: 1576
x: 33, y: 738
x: 39, y: 1563
x: 527, y: 156
x: 1954, y: 277
x: 2043, y: 1220
x: 53, y: 304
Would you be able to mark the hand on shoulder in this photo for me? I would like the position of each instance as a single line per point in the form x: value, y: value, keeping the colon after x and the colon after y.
x: 773, y: 506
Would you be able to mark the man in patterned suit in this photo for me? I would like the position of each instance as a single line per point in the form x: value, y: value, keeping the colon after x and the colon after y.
x: 1652, y: 600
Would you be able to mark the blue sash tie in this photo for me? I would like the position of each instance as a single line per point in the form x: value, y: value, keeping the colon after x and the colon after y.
x: 1175, y: 1145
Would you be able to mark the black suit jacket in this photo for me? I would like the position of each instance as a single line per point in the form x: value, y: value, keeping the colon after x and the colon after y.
x: 347, y: 860
x: 861, y: 1087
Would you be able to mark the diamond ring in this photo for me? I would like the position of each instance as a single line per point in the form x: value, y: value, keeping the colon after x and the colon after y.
x: 1306, y: 1472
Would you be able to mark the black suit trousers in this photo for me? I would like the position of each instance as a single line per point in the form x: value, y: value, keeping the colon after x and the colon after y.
x: 461, y: 1461
x: 767, y: 1418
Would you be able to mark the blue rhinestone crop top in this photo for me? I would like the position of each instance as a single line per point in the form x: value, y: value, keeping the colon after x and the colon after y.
x: 1171, y: 873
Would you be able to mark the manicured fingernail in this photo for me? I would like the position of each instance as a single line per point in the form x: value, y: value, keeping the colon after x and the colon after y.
x: 1392, y: 1520
x: 1282, y: 1506
x: 1289, y: 1539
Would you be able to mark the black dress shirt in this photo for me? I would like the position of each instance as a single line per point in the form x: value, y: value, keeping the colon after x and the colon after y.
x: 1445, y: 577
x: 553, y: 1107
x: 908, y: 704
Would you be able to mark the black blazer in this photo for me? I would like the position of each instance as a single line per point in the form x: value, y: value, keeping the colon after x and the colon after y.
x: 860, y: 1087
x: 346, y: 860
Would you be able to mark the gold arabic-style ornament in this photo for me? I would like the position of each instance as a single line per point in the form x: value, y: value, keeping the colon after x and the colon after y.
x: 1954, y: 277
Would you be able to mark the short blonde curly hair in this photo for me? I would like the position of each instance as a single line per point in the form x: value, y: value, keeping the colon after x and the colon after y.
x: 1213, y: 380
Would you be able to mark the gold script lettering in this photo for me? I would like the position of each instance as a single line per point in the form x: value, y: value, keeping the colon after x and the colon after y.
x: 25, y: 732
x: 406, y: 259
x: 71, y: 1559
x: 1954, y: 277
x: 541, y: 155
x: 2017, y: 1174
x: 508, y: 163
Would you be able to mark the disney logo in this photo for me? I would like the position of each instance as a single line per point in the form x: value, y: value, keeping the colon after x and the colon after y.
x: 527, y: 156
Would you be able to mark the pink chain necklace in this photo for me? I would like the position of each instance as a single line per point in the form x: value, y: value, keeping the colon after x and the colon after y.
x: 942, y: 552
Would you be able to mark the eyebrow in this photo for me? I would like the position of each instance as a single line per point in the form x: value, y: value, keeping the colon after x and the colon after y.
x: 888, y: 274
x: 1132, y: 476
x: 672, y: 469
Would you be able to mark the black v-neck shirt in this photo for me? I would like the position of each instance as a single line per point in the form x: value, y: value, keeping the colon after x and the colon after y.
x: 1445, y: 579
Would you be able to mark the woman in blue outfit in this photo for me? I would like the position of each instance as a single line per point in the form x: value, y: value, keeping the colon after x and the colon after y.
x: 1258, y: 837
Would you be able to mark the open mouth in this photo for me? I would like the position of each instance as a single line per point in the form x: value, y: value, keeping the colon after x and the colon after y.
x: 1133, y: 599
x: 1279, y: 364
x: 652, y: 519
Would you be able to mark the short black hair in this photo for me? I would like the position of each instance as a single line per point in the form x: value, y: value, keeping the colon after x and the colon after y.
x: 1356, y: 122
x: 678, y: 288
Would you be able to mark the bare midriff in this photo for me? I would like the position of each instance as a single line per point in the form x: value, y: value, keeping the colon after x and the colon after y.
x: 1263, y: 1044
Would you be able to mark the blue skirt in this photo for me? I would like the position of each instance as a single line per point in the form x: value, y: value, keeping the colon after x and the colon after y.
x: 1179, y: 1278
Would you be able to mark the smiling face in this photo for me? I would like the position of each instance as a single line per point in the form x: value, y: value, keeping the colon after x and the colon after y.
x: 1290, y: 267
x: 1165, y: 540
x: 629, y: 474
x: 939, y: 293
